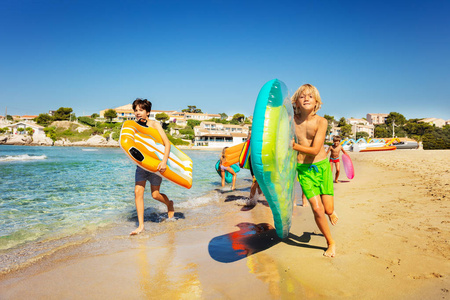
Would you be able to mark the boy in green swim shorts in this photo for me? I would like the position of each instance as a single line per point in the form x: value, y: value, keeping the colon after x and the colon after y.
x: 314, y: 172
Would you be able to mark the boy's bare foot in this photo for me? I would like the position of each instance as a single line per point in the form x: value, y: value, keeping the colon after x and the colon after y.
x: 333, y: 218
x: 331, y: 251
x: 305, y: 203
x: 137, y: 231
x: 335, y: 181
x: 170, y: 209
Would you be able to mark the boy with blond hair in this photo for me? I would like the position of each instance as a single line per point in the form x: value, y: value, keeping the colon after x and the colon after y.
x: 314, y: 172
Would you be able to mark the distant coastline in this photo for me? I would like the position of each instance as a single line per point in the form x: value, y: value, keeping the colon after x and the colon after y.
x: 94, y: 141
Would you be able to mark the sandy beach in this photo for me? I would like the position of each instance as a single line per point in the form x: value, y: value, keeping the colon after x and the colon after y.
x: 393, y: 242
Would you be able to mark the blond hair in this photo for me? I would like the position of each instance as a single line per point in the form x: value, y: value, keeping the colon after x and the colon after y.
x: 306, y: 88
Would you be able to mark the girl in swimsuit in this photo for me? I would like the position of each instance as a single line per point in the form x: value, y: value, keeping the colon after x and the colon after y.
x: 224, y: 168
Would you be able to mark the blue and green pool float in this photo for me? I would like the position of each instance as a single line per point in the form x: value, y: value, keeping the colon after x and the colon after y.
x: 272, y: 156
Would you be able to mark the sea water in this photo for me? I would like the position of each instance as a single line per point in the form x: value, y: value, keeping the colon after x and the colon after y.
x: 53, y: 192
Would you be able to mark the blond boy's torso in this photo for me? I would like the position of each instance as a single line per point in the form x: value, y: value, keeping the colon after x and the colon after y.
x: 305, y: 131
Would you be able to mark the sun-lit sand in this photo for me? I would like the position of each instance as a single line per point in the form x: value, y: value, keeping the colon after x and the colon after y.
x: 392, y: 243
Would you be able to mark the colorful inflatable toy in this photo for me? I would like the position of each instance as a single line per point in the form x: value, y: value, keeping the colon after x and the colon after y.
x: 228, y: 175
x: 272, y: 157
x: 144, y: 146
x: 244, y: 157
x: 232, y: 154
x: 348, y: 166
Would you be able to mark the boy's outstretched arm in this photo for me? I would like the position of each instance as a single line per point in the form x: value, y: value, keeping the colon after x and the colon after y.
x: 317, y: 143
x: 343, y: 151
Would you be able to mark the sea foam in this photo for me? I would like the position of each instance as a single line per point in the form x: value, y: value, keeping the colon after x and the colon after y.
x: 22, y: 157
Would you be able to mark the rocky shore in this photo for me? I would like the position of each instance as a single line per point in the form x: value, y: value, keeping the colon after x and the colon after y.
x: 93, y: 141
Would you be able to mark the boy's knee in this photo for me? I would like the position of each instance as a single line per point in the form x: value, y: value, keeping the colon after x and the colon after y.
x: 329, y: 211
x: 318, y: 210
x: 155, y: 194
x: 138, y: 191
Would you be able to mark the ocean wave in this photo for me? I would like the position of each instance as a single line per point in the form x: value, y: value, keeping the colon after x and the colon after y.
x: 200, y: 201
x: 22, y: 157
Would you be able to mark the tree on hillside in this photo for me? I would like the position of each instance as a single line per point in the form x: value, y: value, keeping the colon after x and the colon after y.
x: 192, y: 123
x: 381, y: 131
x: 239, y: 117
x: 362, y: 134
x: 162, y: 117
x: 342, y: 122
x: 110, y: 114
x: 395, y: 117
x: 87, y: 121
x: 192, y: 109
x: 346, y: 130
x: 44, y: 119
x: 330, y: 120
x: 95, y: 116
x: 223, y: 116
x: 29, y: 131
x: 62, y: 114
x: 414, y: 128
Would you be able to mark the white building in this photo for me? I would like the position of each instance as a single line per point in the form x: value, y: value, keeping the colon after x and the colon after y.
x: 217, y: 135
x: 335, y: 130
x: 361, y: 125
x: 126, y: 112
x: 38, y: 130
x: 376, y: 118
x: 434, y: 121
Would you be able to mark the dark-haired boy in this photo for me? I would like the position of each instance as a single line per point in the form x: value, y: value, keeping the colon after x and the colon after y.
x: 142, y: 109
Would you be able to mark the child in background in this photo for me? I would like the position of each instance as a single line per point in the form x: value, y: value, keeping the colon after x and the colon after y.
x: 255, y: 190
x: 314, y: 172
x: 334, y: 157
x: 142, y: 108
x: 222, y: 169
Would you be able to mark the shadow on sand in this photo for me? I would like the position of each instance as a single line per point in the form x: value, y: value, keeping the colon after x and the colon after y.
x: 250, y: 239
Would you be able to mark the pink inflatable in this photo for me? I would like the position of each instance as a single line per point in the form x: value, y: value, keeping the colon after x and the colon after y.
x: 348, y: 166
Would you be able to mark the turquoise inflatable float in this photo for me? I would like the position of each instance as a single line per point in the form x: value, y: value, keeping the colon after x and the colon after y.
x: 271, y: 153
x: 228, y: 175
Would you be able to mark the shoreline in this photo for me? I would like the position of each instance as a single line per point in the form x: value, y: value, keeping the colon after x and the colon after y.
x: 108, y: 146
x: 392, y: 243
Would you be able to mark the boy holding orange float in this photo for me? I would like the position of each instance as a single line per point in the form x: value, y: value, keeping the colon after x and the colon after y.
x: 314, y: 172
x: 142, y: 109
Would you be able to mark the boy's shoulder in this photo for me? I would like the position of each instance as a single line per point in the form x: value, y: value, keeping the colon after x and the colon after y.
x: 153, y: 124
x: 321, y: 121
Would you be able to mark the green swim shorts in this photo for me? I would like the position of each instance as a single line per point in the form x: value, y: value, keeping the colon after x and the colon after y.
x: 316, y: 179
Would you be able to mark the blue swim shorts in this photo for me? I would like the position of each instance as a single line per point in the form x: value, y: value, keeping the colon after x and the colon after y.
x: 143, y: 175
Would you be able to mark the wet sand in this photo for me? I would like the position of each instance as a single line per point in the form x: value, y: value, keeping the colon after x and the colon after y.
x: 392, y: 243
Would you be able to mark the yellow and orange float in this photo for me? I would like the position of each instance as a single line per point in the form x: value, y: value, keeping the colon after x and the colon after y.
x: 145, y: 147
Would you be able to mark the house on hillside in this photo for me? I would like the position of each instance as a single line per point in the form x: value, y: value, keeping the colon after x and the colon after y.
x: 28, y: 118
x: 38, y: 130
x: 125, y: 112
x: 376, y: 119
x: 361, y: 125
x: 434, y: 121
x: 217, y: 135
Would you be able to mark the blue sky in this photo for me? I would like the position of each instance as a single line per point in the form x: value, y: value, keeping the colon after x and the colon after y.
x: 363, y: 56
